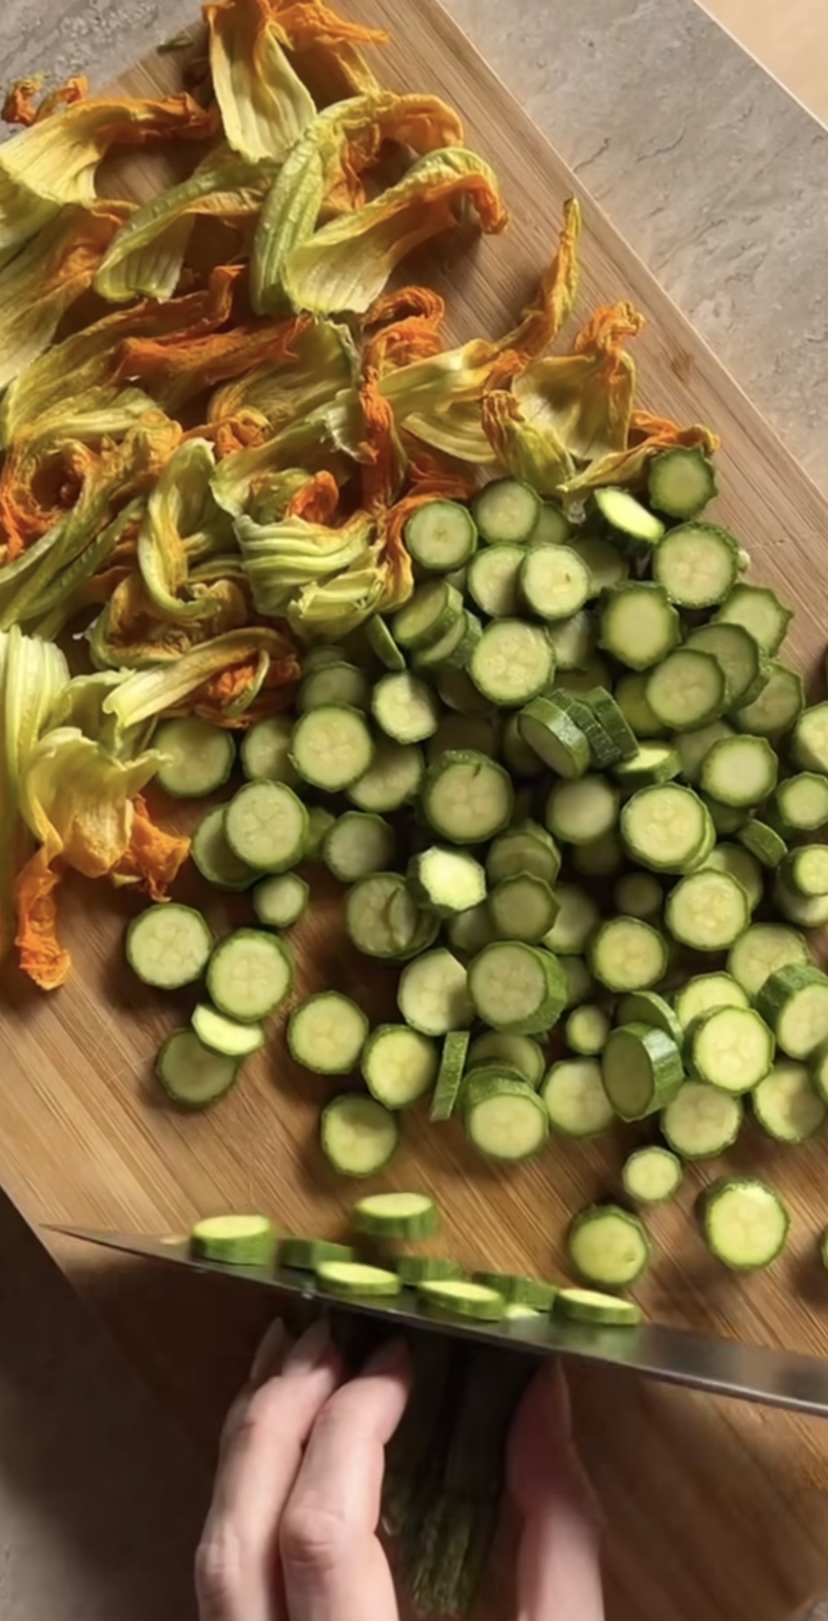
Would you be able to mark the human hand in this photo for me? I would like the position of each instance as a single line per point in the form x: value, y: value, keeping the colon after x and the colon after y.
x: 291, y: 1532
x: 559, y: 1570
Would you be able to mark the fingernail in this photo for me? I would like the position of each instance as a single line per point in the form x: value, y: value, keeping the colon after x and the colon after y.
x: 268, y: 1358
x: 310, y: 1350
x: 392, y: 1357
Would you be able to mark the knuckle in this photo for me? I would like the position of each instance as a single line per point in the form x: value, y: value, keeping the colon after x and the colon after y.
x: 218, y: 1563
x: 313, y: 1538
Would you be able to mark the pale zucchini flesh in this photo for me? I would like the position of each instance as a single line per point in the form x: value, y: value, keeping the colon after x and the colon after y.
x: 745, y: 1223
x: 608, y: 1246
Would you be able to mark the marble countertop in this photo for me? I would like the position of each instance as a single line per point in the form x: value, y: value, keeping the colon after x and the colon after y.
x: 708, y: 167
x: 716, y: 177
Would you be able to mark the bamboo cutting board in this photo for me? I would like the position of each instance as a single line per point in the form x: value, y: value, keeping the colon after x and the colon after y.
x: 713, y: 1509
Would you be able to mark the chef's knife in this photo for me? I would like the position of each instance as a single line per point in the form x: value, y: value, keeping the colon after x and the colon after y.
x: 723, y: 1367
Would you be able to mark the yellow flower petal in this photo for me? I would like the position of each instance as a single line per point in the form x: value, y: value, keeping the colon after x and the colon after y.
x: 264, y: 104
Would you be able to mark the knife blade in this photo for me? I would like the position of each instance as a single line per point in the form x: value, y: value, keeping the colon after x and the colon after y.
x: 657, y: 1351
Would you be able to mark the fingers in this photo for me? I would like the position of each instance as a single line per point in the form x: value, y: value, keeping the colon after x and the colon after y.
x: 559, y: 1570
x: 332, y: 1564
x: 268, y: 1426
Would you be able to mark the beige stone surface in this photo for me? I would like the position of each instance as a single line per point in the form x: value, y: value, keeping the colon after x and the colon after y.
x: 717, y: 178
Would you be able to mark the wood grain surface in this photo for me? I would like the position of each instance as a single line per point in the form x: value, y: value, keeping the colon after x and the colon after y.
x: 713, y: 1508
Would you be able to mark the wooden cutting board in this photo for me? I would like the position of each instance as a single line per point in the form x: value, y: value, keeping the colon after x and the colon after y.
x: 713, y: 1508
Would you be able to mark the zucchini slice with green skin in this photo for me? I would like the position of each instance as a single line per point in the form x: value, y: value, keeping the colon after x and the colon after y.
x: 410, y: 1216
x: 587, y: 1029
x: 358, y: 1136
x: 518, y: 1290
x: 226, y: 1036
x: 806, y: 869
x: 506, y: 511
x: 477, y: 732
x: 641, y: 1069
x: 639, y: 894
x: 761, y: 950
x: 667, y: 828
x: 332, y: 748
x: 356, y: 1278
x: 707, y: 911
x: 818, y: 1068
x: 580, y: 984
x: 631, y: 698
x: 441, y: 536
x: 168, y: 945
x: 681, y: 481
x: 249, y: 975
x: 647, y: 1007
x: 266, y: 826
x: 281, y: 900
x: 628, y: 954
x: 327, y: 1033
x: 693, y: 747
x: 777, y: 707
x: 433, y: 994
x: 801, y: 803
x: 213, y: 857
x: 306, y: 1254
x: 235, y: 1240
x: 740, y: 771
x: 405, y: 708
x: 627, y: 515
x: 652, y: 1175
x: 590, y: 1306
x: 575, y: 923
x: 447, y: 880
x: 526, y: 848
x: 198, y: 757
x: 731, y: 1048
x: 522, y: 908
x: 759, y: 610
x: 466, y: 798
x: 517, y: 987
x: 786, y: 1103
x: 504, y: 1119
x: 652, y: 763
x: 383, y: 919
x: 519, y: 759
x: 428, y: 614
x: 794, y: 1002
x: 575, y: 1098
x: 574, y: 641
x: 415, y: 1269
x: 608, y: 1246
x: 701, y: 1121
x: 519, y: 1053
x: 512, y: 663
x: 581, y: 812
x: 455, y: 1297
x: 449, y: 1082
x: 745, y: 1223
x: 264, y: 751
x: 552, y: 528
x: 607, y: 566
x: 335, y: 683
x: 687, y: 689
x: 602, y: 723
x: 459, y: 692
x: 493, y: 580
x: 703, y: 993
x: 320, y: 822
x: 697, y: 564
x: 548, y: 728
x: 745, y: 664
x: 191, y: 1074
x: 742, y: 865
x: 807, y: 911
x: 470, y: 931
x: 554, y: 581
x: 809, y: 743
x: 638, y: 624
x: 451, y: 653
x: 382, y: 643
x: 398, y: 1065
x: 358, y: 845
x: 726, y: 821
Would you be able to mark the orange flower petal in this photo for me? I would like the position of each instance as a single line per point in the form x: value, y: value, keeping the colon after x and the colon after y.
x: 175, y: 369
x: 152, y: 858
x: 41, y: 957
x: 382, y: 459
x: 317, y: 501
